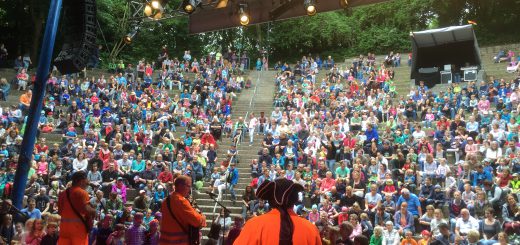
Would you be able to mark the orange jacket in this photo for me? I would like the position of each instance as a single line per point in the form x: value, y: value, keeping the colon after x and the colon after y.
x: 71, y: 226
x: 408, y: 242
x: 265, y: 229
x: 171, y: 232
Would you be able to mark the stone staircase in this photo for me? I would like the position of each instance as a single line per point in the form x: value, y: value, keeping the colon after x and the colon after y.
x: 262, y: 100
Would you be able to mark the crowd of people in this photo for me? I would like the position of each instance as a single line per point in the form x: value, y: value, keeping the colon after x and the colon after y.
x: 376, y: 167
x: 417, y: 168
x: 120, y: 129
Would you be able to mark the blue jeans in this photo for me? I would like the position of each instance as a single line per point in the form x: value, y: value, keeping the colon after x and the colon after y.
x: 232, y: 191
x: 330, y: 166
x: 488, y: 242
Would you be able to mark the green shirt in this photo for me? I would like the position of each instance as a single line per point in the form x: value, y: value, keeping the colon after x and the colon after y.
x: 342, y: 172
x: 376, y: 240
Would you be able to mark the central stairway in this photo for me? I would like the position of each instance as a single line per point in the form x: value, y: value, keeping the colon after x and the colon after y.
x: 259, y: 98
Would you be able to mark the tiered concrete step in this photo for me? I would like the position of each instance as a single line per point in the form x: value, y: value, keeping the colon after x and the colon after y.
x: 263, y: 100
x: 497, y: 70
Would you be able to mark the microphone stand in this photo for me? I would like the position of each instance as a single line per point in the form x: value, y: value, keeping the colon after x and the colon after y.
x: 6, y: 207
x: 226, y: 212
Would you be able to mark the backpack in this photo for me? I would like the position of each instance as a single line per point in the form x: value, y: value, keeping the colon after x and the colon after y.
x: 229, y: 177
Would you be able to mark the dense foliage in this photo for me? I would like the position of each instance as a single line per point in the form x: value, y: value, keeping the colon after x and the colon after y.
x: 377, y: 28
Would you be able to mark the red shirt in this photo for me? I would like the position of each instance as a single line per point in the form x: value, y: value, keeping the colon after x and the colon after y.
x: 166, y: 177
x: 41, y: 148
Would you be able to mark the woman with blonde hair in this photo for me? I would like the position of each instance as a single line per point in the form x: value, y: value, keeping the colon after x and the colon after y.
x: 35, y: 233
x: 502, y: 239
x: 377, y: 237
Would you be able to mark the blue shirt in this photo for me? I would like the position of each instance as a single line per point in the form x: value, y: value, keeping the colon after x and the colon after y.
x: 413, y: 203
x: 372, y: 134
x: 234, y: 176
x: 35, y: 214
x: 479, y: 178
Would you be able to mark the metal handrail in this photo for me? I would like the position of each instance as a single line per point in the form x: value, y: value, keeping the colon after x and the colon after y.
x: 252, y: 100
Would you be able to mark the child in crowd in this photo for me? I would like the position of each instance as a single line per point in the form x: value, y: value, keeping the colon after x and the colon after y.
x: 51, y: 238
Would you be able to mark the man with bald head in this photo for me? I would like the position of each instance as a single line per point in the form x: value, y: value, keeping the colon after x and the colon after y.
x: 414, y: 205
x: 465, y: 223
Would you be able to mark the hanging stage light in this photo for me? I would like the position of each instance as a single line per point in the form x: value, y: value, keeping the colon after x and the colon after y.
x: 148, y: 10
x: 243, y: 15
x: 153, y: 9
x: 191, y: 5
x: 343, y: 3
x: 310, y: 7
x: 156, y: 4
x: 221, y: 4
x: 130, y: 36
x: 158, y: 16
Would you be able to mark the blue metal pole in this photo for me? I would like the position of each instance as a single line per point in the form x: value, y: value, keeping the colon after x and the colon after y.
x: 31, y: 128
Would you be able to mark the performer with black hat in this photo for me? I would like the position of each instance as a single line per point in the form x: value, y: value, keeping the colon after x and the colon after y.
x: 282, y: 194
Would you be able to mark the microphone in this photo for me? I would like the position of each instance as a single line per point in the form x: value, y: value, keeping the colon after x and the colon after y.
x: 211, y: 194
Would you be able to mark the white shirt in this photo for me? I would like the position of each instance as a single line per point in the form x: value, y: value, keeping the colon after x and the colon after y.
x: 419, y: 134
x: 466, y: 226
x: 391, y: 238
x: 252, y: 123
x: 80, y: 165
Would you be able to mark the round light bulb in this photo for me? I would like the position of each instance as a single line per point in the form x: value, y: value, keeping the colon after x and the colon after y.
x: 244, y: 19
x: 188, y: 8
x: 311, y: 10
x: 156, y: 4
x: 128, y: 39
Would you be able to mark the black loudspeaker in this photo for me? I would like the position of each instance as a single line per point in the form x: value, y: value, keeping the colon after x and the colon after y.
x: 470, y: 75
x: 446, y: 77
x: 78, y: 26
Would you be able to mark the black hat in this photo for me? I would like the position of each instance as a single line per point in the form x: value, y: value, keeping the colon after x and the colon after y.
x: 279, y: 192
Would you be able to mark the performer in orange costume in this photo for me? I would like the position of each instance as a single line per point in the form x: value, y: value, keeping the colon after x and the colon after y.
x: 72, y: 229
x: 281, y: 194
x: 173, y: 230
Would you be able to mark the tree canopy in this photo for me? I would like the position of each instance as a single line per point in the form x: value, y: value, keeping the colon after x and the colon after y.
x: 375, y: 28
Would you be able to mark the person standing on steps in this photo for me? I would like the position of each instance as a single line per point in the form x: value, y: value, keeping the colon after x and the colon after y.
x: 232, y: 179
x: 251, y: 127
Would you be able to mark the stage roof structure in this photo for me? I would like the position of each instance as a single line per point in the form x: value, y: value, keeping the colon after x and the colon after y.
x: 436, y: 37
x: 210, y: 18
x: 434, y: 49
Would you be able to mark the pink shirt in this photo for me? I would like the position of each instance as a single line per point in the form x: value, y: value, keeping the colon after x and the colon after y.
x: 42, y: 168
x: 327, y: 184
x: 483, y: 105
x: 471, y: 149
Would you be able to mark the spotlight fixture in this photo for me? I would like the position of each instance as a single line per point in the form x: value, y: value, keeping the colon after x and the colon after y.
x: 158, y: 16
x: 191, y: 5
x: 343, y: 3
x: 130, y: 36
x: 310, y: 7
x: 153, y: 9
x: 148, y: 10
x: 221, y: 4
x: 243, y: 15
x: 156, y: 4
